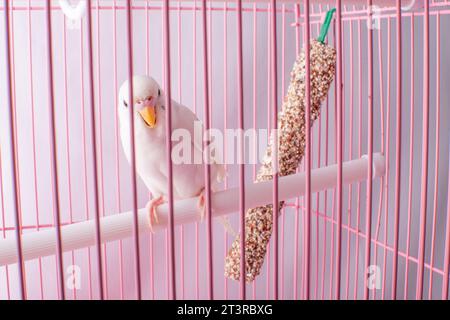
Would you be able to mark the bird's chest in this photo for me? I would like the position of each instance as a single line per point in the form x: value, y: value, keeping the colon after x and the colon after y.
x: 150, y: 150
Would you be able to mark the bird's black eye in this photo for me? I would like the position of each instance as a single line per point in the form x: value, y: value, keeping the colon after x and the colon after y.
x: 159, y: 92
x: 163, y: 107
x: 125, y: 103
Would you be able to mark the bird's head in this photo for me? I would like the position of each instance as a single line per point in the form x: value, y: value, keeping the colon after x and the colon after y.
x: 147, y: 100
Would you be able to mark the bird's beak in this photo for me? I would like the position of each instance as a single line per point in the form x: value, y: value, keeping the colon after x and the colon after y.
x: 148, y: 114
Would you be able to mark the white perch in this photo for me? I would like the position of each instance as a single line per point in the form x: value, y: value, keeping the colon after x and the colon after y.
x: 82, y: 234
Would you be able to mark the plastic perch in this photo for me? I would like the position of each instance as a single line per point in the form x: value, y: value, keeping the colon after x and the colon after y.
x: 119, y: 226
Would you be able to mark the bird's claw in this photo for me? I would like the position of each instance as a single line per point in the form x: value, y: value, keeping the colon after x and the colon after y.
x: 151, y: 209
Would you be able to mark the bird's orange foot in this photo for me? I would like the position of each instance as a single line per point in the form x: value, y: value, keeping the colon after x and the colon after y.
x: 151, y: 209
x: 201, y: 205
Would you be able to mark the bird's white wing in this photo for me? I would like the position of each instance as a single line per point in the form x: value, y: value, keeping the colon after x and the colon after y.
x: 184, y: 118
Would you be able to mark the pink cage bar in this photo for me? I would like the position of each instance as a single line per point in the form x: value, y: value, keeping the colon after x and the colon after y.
x: 367, y: 215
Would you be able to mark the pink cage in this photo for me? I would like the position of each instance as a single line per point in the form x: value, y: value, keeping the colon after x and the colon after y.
x: 70, y: 224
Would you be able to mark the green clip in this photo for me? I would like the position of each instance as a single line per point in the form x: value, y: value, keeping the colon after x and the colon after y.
x: 326, y: 25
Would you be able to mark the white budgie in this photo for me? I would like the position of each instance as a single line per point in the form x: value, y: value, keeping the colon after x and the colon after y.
x: 150, y: 142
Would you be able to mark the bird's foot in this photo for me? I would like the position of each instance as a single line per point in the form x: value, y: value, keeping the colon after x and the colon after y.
x: 201, y: 205
x: 151, y: 209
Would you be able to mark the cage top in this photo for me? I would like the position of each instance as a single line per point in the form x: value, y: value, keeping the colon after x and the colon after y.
x: 406, y: 4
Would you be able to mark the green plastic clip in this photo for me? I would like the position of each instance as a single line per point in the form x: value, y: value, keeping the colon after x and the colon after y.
x: 326, y: 25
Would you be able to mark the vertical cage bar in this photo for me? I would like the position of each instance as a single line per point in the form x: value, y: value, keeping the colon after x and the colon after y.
x: 387, y: 151
x: 67, y: 136
x: 317, y: 215
x: 339, y: 49
x: 53, y: 150
x: 137, y: 278
x: 180, y: 100
x: 269, y: 91
x: 13, y: 155
x: 210, y: 59
x: 147, y: 37
x: 325, y: 209
x: 116, y: 140
x: 2, y: 198
x: 167, y: 85
x: 84, y: 155
x: 15, y: 113
x: 307, y: 226
x: 436, y: 157
x: 225, y: 120
x: 411, y: 160
x: 350, y: 156
x: 207, y: 169
x: 398, y: 144
x: 447, y: 245
x: 33, y: 137
x: 425, y: 147
x: 241, y: 153
x: 254, y: 94
x: 283, y: 65
x: 275, y: 127
x: 370, y: 151
x: 384, y: 182
x: 333, y: 201
x: 167, y: 240
x: 319, y: 140
x: 297, y: 200
x: 100, y: 139
x: 360, y: 121
x: 94, y: 149
x: 152, y: 239
x: 194, y: 64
